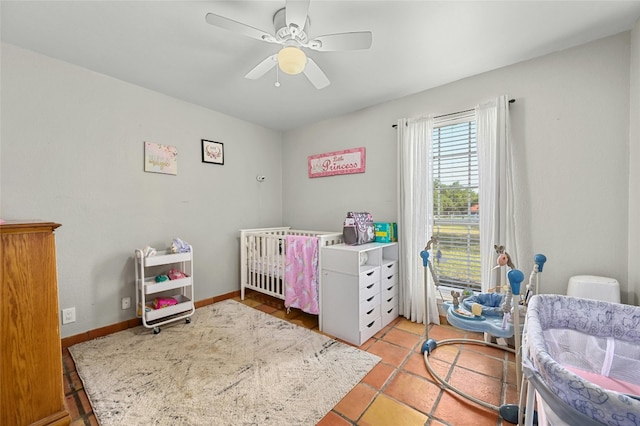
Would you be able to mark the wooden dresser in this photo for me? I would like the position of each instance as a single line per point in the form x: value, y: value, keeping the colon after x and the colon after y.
x: 31, y: 387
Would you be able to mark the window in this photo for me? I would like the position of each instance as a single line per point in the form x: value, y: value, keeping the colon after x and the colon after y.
x: 456, y: 212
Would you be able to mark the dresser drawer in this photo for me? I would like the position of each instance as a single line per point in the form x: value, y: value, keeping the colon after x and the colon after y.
x: 389, y: 315
x: 367, y: 316
x: 389, y: 285
x: 389, y: 292
x: 369, y: 291
x: 369, y: 303
x: 370, y: 329
x: 371, y: 276
x: 390, y: 268
x: 389, y: 302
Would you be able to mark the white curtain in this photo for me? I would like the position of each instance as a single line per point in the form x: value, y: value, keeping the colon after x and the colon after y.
x: 415, y: 207
x: 497, y: 220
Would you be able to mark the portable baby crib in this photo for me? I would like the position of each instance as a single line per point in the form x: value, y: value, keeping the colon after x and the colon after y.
x: 581, y: 359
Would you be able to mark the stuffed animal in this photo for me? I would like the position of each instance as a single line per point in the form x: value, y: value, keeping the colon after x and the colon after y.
x: 455, y: 295
x: 503, y: 257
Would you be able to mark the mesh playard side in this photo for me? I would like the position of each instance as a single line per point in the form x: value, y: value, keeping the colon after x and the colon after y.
x: 263, y: 257
x: 583, y: 358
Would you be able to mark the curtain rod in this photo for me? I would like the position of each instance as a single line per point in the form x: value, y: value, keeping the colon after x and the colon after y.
x: 511, y: 101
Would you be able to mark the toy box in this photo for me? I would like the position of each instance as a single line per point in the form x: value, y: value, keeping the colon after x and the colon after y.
x: 386, y: 232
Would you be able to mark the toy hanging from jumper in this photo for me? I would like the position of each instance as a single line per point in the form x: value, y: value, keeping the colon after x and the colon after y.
x: 505, y: 259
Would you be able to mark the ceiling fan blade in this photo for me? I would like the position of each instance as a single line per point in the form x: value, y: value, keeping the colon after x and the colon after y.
x: 262, y: 68
x: 296, y: 13
x: 343, y: 41
x: 238, y: 27
x: 315, y: 74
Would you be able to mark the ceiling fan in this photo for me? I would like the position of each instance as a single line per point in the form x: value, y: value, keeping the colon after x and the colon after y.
x: 291, y: 25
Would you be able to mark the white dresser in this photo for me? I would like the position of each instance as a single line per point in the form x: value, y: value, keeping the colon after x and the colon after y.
x: 359, y: 290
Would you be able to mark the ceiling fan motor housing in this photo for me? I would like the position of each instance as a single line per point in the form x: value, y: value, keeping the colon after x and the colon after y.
x: 285, y: 33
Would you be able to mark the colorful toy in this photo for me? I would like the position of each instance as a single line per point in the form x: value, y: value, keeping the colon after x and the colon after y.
x: 466, y: 293
x: 503, y: 258
x: 175, y: 274
x: 455, y: 295
x: 476, y: 309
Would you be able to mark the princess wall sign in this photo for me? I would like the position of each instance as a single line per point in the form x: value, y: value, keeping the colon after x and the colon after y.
x: 337, y: 163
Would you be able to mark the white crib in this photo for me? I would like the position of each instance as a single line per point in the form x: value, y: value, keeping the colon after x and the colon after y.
x: 263, y: 260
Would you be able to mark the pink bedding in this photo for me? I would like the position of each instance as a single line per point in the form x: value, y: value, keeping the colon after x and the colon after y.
x: 301, y: 273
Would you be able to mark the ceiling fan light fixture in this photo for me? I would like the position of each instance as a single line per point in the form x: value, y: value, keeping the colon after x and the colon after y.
x: 292, y: 60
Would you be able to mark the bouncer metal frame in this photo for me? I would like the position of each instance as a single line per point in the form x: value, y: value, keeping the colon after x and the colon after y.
x: 509, y: 412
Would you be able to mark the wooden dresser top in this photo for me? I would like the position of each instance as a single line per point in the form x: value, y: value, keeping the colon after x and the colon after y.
x: 14, y: 226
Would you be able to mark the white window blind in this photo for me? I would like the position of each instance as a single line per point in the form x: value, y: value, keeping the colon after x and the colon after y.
x: 456, y: 213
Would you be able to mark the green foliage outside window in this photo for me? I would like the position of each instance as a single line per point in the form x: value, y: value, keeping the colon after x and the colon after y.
x: 456, y: 227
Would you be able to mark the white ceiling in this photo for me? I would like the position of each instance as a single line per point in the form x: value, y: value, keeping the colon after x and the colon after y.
x: 167, y: 46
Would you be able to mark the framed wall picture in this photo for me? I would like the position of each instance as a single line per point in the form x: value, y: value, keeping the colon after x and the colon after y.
x: 160, y: 158
x: 212, y: 152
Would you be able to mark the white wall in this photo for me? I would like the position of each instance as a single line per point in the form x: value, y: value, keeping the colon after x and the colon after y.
x: 571, y: 137
x: 72, y: 152
x: 634, y: 169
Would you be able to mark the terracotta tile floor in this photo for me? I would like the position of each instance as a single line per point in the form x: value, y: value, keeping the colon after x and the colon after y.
x: 399, y: 391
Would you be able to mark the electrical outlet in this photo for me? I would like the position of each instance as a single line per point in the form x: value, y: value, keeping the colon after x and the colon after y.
x: 126, y: 302
x: 68, y: 315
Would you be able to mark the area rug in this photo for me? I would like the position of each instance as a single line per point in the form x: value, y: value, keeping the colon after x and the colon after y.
x: 232, y: 365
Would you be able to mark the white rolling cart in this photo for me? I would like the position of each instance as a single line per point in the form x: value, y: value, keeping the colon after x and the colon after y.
x: 147, y: 289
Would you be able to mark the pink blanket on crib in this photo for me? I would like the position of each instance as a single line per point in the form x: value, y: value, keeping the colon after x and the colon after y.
x: 301, y: 273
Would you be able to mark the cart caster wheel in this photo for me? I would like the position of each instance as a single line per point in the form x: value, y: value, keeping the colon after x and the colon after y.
x: 156, y: 330
x: 187, y: 320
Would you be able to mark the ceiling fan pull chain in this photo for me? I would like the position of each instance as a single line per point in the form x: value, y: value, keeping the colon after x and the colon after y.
x: 277, y: 84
